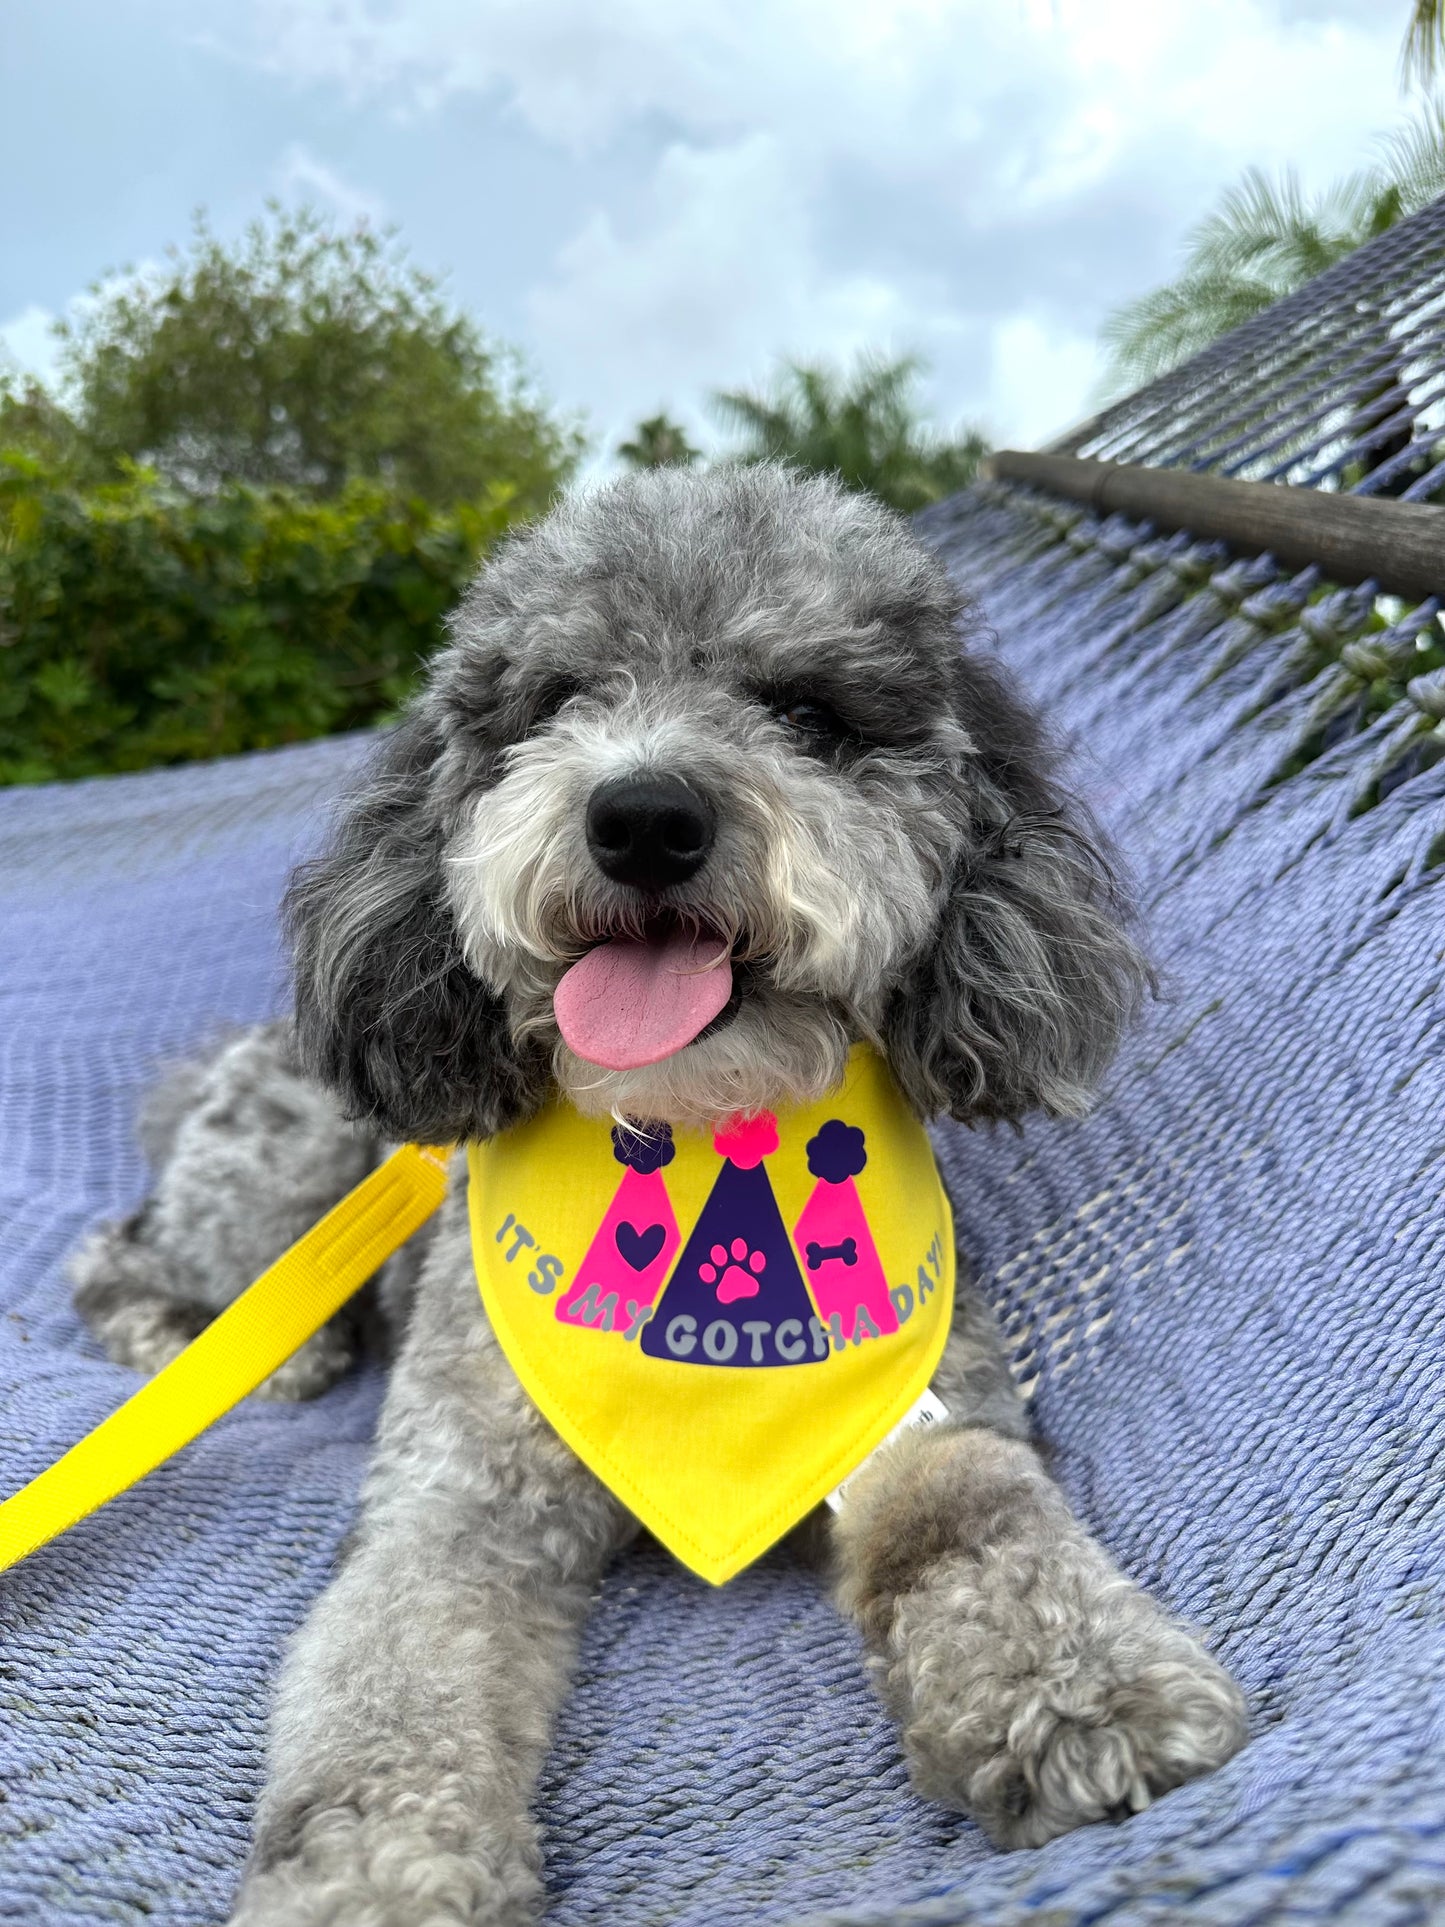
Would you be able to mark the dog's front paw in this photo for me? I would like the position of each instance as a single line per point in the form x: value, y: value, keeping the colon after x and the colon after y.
x: 389, y: 1856
x: 131, y: 1297
x: 1042, y: 1691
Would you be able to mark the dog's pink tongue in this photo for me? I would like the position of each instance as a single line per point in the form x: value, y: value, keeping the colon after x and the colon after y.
x: 631, y: 1002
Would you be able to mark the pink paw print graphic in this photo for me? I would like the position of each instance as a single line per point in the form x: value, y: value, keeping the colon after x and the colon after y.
x: 727, y: 1273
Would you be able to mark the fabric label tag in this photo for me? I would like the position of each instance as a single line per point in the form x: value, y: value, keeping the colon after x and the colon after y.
x: 928, y: 1409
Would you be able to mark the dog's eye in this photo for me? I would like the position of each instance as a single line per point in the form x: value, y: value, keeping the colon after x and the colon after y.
x: 552, y: 696
x: 812, y: 719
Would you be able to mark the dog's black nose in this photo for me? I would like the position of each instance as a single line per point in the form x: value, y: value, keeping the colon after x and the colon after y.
x: 649, y: 830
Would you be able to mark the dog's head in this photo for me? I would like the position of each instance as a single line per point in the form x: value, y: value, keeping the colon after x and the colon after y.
x: 706, y: 789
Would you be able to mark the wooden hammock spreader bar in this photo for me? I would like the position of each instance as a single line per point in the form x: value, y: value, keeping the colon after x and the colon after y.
x: 1350, y: 538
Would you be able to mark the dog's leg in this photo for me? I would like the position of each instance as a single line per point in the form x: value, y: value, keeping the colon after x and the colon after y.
x: 248, y: 1154
x: 414, y: 1707
x: 1038, y: 1689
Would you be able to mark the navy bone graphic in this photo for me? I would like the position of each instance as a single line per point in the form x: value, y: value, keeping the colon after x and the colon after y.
x: 846, y: 1251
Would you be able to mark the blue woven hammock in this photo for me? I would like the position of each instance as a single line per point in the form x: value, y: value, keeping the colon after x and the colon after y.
x: 1223, y: 1290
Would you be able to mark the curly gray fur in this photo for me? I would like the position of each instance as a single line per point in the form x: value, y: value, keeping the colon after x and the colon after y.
x: 922, y: 877
x: 1037, y: 1688
x: 915, y: 875
x: 248, y: 1153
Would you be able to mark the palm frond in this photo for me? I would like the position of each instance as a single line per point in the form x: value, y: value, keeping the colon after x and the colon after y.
x: 1265, y: 238
x: 658, y: 442
x: 1268, y: 229
x: 862, y: 426
x: 764, y: 423
x: 1413, y: 157
x: 1149, y: 336
x: 1252, y: 219
x: 1423, y: 54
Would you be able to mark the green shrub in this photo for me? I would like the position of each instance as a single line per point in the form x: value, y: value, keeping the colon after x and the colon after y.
x: 140, y: 626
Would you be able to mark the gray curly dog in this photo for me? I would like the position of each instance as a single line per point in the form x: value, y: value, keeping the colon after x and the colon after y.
x: 737, y: 702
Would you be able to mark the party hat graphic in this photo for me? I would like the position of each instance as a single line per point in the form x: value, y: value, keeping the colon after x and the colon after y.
x: 833, y: 1239
x: 628, y: 1257
x: 737, y: 1296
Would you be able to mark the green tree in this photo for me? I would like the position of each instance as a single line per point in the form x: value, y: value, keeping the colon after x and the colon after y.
x: 34, y: 423
x: 1265, y: 239
x: 659, y: 443
x: 863, y: 426
x: 308, y: 358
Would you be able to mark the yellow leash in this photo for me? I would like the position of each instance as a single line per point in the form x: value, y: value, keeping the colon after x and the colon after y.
x: 257, y: 1332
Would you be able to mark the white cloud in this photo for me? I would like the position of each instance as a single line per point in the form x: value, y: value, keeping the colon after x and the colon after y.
x: 301, y: 176
x: 28, y: 340
x: 703, y: 284
x: 980, y: 178
x: 1040, y: 377
x: 26, y: 343
x: 909, y: 83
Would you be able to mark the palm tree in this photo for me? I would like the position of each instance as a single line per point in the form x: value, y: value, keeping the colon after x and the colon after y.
x: 863, y: 426
x: 659, y: 443
x: 1425, y: 43
x: 1267, y: 238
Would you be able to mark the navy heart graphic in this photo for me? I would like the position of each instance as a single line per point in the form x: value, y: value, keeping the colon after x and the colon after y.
x: 639, y: 1248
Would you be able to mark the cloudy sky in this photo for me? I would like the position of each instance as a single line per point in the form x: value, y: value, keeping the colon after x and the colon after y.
x: 655, y: 198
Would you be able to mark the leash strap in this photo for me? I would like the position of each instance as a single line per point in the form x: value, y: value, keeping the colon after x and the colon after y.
x: 243, y: 1345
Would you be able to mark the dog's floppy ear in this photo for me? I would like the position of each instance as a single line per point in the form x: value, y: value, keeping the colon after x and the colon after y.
x: 1019, y: 999
x: 387, y: 1013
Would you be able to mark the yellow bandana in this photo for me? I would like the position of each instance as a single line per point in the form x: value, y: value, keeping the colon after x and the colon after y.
x: 721, y: 1329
